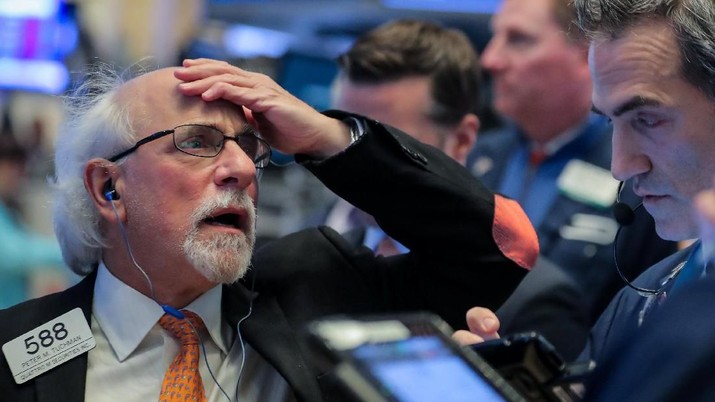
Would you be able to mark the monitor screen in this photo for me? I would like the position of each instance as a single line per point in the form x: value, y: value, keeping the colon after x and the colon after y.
x: 420, y: 369
x: 35, y: 37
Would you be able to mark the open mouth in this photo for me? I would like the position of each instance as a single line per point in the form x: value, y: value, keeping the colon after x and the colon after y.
x: 225, y: 219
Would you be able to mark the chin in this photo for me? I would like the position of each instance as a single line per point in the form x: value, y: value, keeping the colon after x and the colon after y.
x: 221, y: 258
x: 223, y: 275
x: 673, y: 220
x: 676, y: 230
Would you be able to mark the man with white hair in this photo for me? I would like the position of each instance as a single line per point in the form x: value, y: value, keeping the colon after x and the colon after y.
x: 156, y: 183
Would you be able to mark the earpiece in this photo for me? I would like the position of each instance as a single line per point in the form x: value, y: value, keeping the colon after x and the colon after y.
x: 110, y: 193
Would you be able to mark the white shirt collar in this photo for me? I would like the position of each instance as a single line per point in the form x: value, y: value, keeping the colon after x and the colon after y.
x: 558, y: 142
x: 126, y: 315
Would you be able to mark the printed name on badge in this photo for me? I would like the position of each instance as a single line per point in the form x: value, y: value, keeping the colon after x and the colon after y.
x: 48, y: 346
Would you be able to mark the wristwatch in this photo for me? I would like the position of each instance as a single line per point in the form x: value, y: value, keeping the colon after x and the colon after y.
x: 357, y: 128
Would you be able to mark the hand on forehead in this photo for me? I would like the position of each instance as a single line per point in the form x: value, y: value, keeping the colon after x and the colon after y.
x: 155, y: 96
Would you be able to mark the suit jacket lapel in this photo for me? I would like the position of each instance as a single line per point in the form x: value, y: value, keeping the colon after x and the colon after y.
x: 498, y: 158
x: 268, y: 332
x: 66, y: 382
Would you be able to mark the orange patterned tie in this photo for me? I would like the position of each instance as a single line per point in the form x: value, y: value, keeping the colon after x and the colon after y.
x: 182, y: 381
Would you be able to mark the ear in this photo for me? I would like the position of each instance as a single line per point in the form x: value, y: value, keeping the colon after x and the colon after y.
x: 98, y: 173
x: 464, y: 137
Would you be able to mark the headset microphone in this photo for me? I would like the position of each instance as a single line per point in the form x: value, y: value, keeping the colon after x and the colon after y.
x: 623, y: 213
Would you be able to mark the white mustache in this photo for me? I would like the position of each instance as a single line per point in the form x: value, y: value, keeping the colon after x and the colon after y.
x: 225, y: 199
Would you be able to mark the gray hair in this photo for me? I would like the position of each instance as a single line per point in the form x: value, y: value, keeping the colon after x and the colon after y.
x: 97, y: 125
x: 693, y: 22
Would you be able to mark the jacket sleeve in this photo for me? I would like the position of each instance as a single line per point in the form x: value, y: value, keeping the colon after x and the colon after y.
x: 468, y: 247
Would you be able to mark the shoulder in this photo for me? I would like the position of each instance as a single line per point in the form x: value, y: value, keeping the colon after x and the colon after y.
x: 492, y: 149
x: 682, y: 371
x: 496, y: 139
x: 628, y: 308
x: 296, y: 244
x: 656, y: 272
x: 18, y: 319
x: 303, y: 256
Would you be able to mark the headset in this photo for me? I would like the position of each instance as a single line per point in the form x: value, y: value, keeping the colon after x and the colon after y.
x: 111, y: 195
x: 625, y: 215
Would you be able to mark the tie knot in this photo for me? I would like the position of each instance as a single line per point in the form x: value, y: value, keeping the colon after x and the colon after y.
x: 536, y: 156
x: 181, y: 329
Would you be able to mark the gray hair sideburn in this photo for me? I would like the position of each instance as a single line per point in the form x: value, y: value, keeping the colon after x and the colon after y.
x: 96, y: 125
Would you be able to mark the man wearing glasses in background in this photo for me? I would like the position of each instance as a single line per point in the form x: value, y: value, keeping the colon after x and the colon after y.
x: 163, y: 225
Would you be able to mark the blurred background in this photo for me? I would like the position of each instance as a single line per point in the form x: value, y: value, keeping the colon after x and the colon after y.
x: 46, y: 46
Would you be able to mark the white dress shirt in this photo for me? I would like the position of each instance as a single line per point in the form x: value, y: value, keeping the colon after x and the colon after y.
x: 133, y: 351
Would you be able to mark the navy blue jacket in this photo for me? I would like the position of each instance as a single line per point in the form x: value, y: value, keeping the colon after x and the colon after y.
x: 669, y: 358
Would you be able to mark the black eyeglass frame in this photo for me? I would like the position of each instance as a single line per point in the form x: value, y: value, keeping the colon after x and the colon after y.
x: 258, y: 161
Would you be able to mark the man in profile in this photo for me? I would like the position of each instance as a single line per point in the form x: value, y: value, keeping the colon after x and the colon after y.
x: 553, y: 156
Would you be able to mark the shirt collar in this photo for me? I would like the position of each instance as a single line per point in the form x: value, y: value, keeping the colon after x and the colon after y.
x: 126, y: 316
x: 558, y: 142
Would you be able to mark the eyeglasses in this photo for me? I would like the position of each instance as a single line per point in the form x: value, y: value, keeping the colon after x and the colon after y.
x: 207, y: 142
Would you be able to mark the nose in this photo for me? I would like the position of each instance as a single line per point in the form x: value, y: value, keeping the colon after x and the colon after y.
x: 628, y: 159
x: 234, y: 167
x: 492, y: 58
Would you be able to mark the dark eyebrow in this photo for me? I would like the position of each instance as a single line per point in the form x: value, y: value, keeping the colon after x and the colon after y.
x: 631, y: 104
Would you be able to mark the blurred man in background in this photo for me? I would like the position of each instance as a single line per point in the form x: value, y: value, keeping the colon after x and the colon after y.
x: 419, y: 77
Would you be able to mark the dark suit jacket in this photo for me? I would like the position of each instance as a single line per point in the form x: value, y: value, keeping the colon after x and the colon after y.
x: 419, y: 196
x: 581, y: 272
x: 548, y: 300
x: 621, y: 319
x: 670, y: 358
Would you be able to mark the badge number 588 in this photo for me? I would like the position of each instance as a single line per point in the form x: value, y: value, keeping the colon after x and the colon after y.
x: 48, y: 346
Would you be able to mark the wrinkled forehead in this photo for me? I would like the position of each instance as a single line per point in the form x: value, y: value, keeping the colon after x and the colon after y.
x: 643, y: 56
x: 155, y: 103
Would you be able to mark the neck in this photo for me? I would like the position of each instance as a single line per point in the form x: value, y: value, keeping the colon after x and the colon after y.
x: 555, y: 115
x: 176, y: 287
x: 543, y: 131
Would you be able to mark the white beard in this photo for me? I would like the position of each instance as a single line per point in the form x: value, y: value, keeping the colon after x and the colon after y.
x: 222, y: 258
